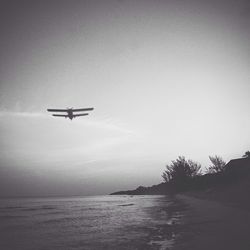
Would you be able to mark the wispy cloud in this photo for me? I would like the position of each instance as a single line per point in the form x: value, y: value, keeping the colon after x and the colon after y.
x: 91, y: 138
x: 105, y: 124
x: 21, y: 114
x: 108, y: 124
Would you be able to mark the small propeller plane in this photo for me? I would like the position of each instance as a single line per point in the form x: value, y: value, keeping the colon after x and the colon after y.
x: 70, y: 112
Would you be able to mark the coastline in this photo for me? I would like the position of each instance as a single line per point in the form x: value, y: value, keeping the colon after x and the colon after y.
x: 210, y: 224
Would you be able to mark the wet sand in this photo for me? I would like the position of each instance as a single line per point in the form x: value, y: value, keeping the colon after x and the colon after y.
x: 213, y: 225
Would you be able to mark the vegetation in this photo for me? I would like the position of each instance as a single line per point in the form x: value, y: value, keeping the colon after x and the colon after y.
x: 247, y: 154
x: 218, y: 165
x: 180, y: 172
x: 185, y: 175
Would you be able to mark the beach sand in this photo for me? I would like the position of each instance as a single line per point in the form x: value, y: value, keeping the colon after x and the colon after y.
x: 213, y: 225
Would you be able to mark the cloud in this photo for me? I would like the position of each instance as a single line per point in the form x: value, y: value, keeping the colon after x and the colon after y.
x: 106, y: 124
x: 53, y: 139
x: 22, y: 114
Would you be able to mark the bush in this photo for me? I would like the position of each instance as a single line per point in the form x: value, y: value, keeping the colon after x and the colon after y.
x: 247, y: 154
x: 218, y: 165
x: 181, y: 170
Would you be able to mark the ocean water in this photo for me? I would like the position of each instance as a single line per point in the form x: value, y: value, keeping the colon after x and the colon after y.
x: 96, y: 222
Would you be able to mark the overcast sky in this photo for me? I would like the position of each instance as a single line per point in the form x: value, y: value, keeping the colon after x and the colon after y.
x: 166, y: 78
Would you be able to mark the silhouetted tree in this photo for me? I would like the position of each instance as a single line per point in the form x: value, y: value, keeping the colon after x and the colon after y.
x: 218, y: 165
x: 247, y: 154
x: 181, y: 170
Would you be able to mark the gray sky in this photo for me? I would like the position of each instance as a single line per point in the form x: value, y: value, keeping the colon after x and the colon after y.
x: 166, y: 78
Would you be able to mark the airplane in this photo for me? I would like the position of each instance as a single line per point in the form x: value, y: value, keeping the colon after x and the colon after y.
x: 70, y: 112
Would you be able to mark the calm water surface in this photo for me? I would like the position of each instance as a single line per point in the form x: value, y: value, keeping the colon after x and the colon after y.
x: 97, y: 222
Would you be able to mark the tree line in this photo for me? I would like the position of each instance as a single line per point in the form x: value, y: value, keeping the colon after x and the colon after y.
x: 180, y: 171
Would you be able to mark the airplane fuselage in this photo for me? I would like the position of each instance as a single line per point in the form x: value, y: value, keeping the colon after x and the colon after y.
x: 70, y: 114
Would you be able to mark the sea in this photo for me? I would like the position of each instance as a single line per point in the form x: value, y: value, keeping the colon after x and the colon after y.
x: 91, y: 222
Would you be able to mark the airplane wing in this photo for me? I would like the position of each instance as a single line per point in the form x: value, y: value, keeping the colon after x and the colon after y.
x: 80, y: 115
x: 86, y: 109
x: 57, y: 110
x: 61, y: 115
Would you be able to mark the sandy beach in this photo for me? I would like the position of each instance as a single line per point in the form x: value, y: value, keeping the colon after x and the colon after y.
x: 213, y: 225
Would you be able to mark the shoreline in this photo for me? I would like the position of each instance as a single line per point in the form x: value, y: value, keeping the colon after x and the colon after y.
x: 213, y: 225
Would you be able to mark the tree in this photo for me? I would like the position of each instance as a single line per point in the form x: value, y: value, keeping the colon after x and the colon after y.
x: 181, y: 170
x: 218, y: 165
x: 247, y: 154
